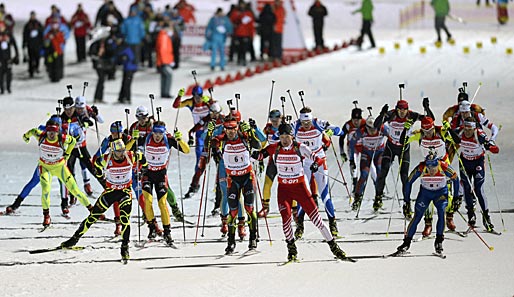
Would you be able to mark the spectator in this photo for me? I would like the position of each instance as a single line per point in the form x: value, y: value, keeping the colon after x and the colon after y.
x: 148, y: 41
x: 177, y: 23
x: 243, y: 22
x: 133, y: 31
x: 8, y: 45
x: 126, y: 57
x: 367, y: 19
x: 102, y: 53
x: 266, y: 22
x: 112, y: 17
x: 32, y: 43
x: 102, y: 13
x: 81, y: 26
x: 280, y: 15
x: 54, y: 42
x: 318, y: 12
x: 187, y: 11
x: 55, y: 13
x: 7, y: 19
x: 218, y: 28
x: 164, y: 61
x: 441, y: 9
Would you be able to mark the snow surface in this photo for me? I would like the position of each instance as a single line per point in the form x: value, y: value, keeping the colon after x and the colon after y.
x: 331, y: 82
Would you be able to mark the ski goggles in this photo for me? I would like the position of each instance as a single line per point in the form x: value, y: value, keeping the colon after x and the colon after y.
x: 471, y: 125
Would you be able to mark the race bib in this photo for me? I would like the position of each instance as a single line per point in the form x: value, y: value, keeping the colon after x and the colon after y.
x: 79, y: 24
x: 4, y: 45
x: 221, y: 29
x: 246, y: 19
x: 34, y: 33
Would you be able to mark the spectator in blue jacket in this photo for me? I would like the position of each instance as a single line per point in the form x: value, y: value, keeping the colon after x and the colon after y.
x: 216, y: 33
x: 125, y: 56
x: 133, y: 30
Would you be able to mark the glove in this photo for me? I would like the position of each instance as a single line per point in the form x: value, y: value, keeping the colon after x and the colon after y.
x: 95, y: 110
x: 407, y: 124
x: 181, y: 92
x: 177, y: 135
x: 407, y: 210
x: 425, y: 103
x: 329, y: 132
x: 88, y: 123
x: 385, y: 108
x: 494, y: 149
x: 245, y: 127
x: 66, y: 156
x: 352, y: 164
x: 446, y: 125
x: 135, y: 134
x: 190, y: 141
x: 210, y: 127
x: 314, y: 167
x: 255, y: 155
x: 457, y: 202
x: 261, y: 166
x: 344, y: 157
x: 16, y: 60
x: 217, y: 155
x: 206, y: 99
x: 252, y: 123
x: 26, y: 138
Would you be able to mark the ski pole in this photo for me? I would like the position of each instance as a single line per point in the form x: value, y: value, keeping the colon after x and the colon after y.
x: 84, y: 88
x: 200, y: 209
x: 210, y: 91
x: 490, y: 247
x: 283, y: 99
x: 495, y: 191
x: 292, y: 102
x: 180, y: 179
x: 476, y: 92
x: 238, y: 97
x: 332, y: 178
x: 69, y: 87
x: 127, y: 111
x: 270, y: 99
x: 262, y: 204
x: 401, y: 87
x: 206, y: 195
x: 301, y: 93
x: 152, y: 97
x: 138, y: 193
x: 194, y: 76
x: 464, y: 86
x: 159, y: 110
x: 396, y: 190
x: 340, y: 169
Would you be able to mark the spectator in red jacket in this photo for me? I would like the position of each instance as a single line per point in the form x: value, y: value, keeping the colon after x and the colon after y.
x: 81, y: 26
x: 55, y: 13
x: 187, y: 11
x: 278, y: 29
x: 244, y: 25
x: 165, y: 59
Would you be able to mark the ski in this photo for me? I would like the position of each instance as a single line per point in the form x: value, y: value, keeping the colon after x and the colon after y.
x: 398, y: 254
x: 440, y: 255
x: 43, y: 229
x: 124, y: 261
x: 40, y: 251
x: 66, y: 216
x: 461, y: 234
x: 295, y: 260
x: 492, y: 231
x: 421, y: 238
x: 249, y: 252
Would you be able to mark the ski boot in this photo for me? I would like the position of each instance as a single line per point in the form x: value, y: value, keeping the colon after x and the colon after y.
x: 224, y: 225
x: 449, y: 221
x: 405, y: 245
x: 336, y: 250
x: 117, y: 231
x: 357, y: 202
x: 87, y: 188
x: 125, y: 252
x: 486, y: 219
x: 241, y: 231
x: 438, y: 244
x: 333, y: 226
x: 298, y: 233
x: 64, y: 206
x: 231, y: 244
x: 167, y: 235
x: 152, y: 234
x: 215, y: 211
x: 407, y: 210
x: 265, y: 209
x: 73, y: 200
x: 46, y: 218
x: 13, y: 207
x: 193, y: 189
x: 428, y: 227
x: 177, y: 214
x: 252, y: 242
x: 292, y: 252
x: 377, y: 204
x: 472, y: 219
x: 70, y: 242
